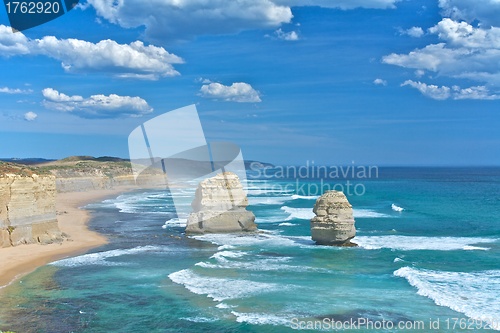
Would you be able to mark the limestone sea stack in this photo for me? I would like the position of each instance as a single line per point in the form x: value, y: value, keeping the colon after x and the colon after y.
x: 219, y: 206
x: 334, y: 220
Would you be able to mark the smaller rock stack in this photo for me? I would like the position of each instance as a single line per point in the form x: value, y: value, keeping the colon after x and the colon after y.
x: 334, y: 220
x: 220, y: 207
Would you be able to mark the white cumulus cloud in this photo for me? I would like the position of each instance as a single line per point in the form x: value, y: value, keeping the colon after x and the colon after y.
x: 487, y: 12
x: 134, y: 60
x: 419, y: 73
x: 342, y: 4
x: 380, y: 82
x: 180, y: 19
x: 12, y: 91
x: 288, y: 36
x: 12, y: 43
x: 432, y: 91
x: 477, y: 92
x: 455, y: 92
x: 416, y: 32
x: 468, y: 47
x: 30, y: 116
x: 465, y: 52
x: 96, y: 106
x: 184, y: 19
x: 462, y: 34
x: 237, y: 92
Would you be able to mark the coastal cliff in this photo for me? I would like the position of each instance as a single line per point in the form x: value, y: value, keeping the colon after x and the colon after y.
x: 85, y: 173
x: 27, y: 206
x: 28, y: 193
x: 220, y: 206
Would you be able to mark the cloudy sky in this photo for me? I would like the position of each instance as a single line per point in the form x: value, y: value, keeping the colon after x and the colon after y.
x: 388, y: 82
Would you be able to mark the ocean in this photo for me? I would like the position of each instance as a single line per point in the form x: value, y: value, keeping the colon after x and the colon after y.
x: 428, y: 259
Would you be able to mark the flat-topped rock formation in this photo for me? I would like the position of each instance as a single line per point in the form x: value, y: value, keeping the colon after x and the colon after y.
x: 220, y: 207
x: 27, y: 206
x: 334, y: 220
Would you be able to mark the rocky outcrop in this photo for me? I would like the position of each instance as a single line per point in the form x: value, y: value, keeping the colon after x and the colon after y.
x: 334, y: 221
x: 27, y: 208
x: 220, y: 207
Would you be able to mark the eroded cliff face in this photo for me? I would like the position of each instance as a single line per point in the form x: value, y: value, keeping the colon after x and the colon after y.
x: 27, y: 209
x: 88, y: 176
x: 28, y: 194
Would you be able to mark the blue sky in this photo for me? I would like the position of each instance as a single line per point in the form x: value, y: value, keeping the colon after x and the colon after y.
x: 382, y: 82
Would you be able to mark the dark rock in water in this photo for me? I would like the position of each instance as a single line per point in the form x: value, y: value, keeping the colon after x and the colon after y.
x: 220, y: 207
x: 334, y: 220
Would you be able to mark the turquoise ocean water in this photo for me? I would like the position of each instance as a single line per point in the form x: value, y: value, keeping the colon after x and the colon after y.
x: 428, y: 259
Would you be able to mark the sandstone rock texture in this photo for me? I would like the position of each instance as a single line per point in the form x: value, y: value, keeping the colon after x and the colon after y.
x: 27, y: 209
x: 220, y: 207
x: 334, y: 221
x: 97, y: 179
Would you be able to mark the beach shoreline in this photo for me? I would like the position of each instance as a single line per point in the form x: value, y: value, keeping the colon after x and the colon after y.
x: 18, y: 261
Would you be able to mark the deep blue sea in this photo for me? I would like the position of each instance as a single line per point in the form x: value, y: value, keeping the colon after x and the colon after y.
x: 428, y: 259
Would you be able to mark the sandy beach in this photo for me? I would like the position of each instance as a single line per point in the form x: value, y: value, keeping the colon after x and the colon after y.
x: 16, y: 262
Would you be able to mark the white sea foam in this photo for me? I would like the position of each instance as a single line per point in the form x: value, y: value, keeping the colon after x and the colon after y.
x: 125, y: 206
x: 298, y: 213
x: 278, y: 216
x: 225, y: 247
x: 261, y: 239
x: 473, y: 294
x: 267, y: 200
x: 287, y: 224
x: 307, y: 213
x: 397, y: 208
x: 276, y: 200
x: 368, y: 213
x: 408, y: 243
x: 224, y: 306
x: 223, y: 255
x: 220, y: 289
x: 262, y: 319
x: 304, y: 197
x: 99, y: 258
x: 175, y: 222
x: 254, y: 263
x: 132, y: 203
x: 473, y: 248
x: 199, y: 319
x: 156, y: 196
x: 263, y: 265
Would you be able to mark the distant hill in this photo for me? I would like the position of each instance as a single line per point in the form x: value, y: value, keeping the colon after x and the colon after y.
x: 95, y: 159
x: 74, y: 166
